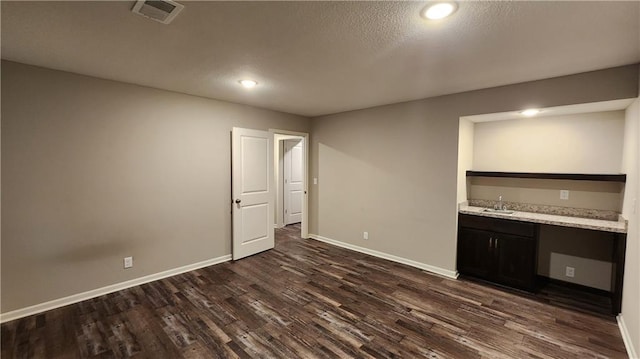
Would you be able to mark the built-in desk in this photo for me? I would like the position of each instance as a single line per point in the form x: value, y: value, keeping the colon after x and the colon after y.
x: 617, y: 229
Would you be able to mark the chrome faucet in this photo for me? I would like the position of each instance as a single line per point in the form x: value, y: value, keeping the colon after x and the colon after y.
x: 499, y: 205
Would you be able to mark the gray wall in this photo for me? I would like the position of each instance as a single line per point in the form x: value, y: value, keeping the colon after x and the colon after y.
x: 588, y: 252
x: 392, y: 170
x: 96, y: 170
x: 599, y: 195
x: 578, y: 143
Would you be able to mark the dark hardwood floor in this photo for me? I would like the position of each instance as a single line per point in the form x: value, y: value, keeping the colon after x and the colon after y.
x: 584, y: 299
x: 565, y: 295
x: 307, y: 299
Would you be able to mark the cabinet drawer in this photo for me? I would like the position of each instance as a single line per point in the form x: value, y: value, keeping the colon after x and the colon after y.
x: 497, y: 225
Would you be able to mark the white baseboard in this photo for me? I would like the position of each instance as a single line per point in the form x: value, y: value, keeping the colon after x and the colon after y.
x: 626, y: 337
x: 61, y: 302
x: 429, y: 268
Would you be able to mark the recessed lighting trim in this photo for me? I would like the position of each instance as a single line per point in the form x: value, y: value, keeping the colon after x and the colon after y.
x: 439, y: 10
x: 248, y: 83
x: 530, y: 112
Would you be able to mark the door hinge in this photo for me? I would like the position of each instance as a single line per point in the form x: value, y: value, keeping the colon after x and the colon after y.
x: 285, y: 211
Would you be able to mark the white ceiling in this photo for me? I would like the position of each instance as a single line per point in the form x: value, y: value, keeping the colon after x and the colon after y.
x: 315, y: 58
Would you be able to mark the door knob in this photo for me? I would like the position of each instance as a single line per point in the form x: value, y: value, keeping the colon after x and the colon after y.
x: 238, y: 201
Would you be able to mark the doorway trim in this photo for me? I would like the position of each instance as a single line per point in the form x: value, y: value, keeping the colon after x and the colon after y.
x: 305, y: 199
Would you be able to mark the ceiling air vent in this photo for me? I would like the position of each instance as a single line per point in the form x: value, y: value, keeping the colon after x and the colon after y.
x: 163, y: 11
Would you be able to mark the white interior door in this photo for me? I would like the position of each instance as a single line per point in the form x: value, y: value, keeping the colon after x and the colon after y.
x: 252, y: 190
x: 293, y: 181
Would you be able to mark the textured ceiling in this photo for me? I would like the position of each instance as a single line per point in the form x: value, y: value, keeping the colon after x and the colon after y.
x: 314, y: 58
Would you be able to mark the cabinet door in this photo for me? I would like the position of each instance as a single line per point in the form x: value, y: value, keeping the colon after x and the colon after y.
x: 475, y: 255
x: 517, y: 258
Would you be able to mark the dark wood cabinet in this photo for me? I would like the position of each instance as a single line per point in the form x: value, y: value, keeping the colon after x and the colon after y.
x: 497, y: 250
x: 516, y: 260
x: 475, y: 256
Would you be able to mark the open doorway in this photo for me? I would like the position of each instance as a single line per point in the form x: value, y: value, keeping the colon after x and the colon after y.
x: 291, y: 157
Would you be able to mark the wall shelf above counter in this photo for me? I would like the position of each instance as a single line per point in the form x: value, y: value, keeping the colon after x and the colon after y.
x: 622, y: 178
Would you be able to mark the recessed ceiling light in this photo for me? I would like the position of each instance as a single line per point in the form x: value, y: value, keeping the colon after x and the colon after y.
x: 439, y: 10
x: 248, y: 83
x: 530, y: 112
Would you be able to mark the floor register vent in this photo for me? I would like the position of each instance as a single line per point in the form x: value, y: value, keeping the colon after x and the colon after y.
x: 163, y: 11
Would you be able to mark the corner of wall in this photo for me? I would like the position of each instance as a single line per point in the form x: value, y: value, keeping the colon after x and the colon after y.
x: 465, y: 156
x: 629, y: 319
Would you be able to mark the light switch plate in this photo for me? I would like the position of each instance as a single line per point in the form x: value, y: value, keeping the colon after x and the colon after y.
x: 564, y: 194
x: 315, y: 180
x: 128, y: 262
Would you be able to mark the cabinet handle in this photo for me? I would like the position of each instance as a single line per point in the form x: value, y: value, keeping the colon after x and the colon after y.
x: 495, y: 244
x: 490, y: 242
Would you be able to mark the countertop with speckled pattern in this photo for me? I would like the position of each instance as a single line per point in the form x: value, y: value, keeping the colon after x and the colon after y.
x: 565, y: 221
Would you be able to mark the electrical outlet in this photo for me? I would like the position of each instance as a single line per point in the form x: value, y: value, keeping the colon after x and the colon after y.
x: 128, y: 262
x: 564, y: 194
x: 570, y: 272
x: 365, y: 235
